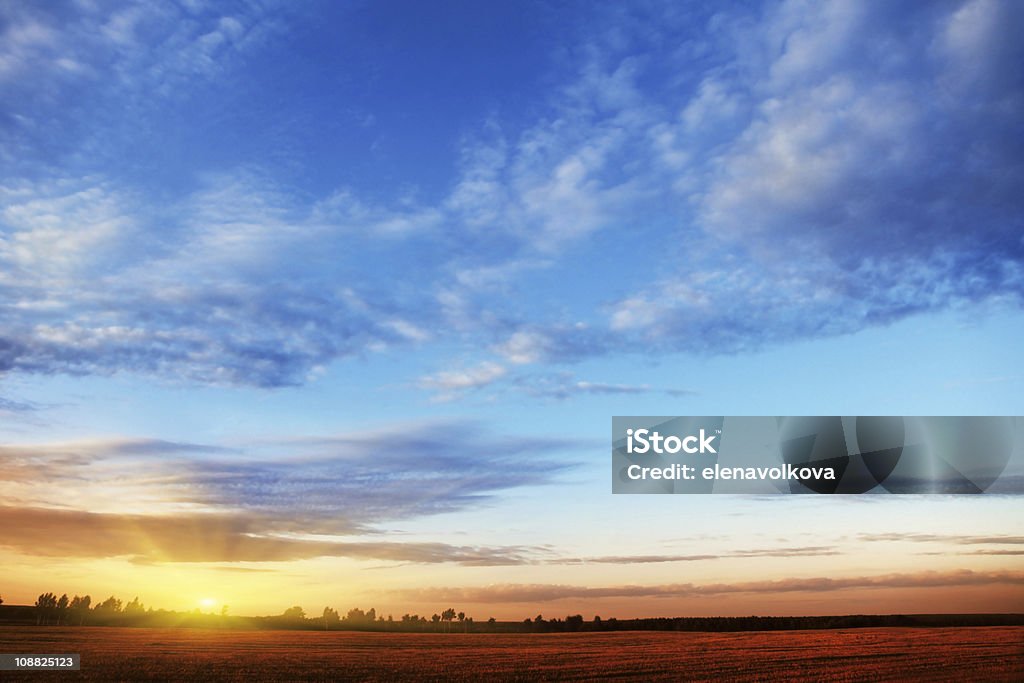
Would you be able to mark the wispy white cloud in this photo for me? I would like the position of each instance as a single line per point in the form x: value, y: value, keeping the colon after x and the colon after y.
x: 139, y: 43
x: 564, y: 385
x: 824, y: 194
x: 545, y: 592
x: 344, y: 210
x: 802, y: 155
x: 77, y: 76
x: 235, y: 284
x: 25, y: 40
x: 9, y: 405
x: 524, y: 346
x: 56, y: 230
x: 452, y: 383
x: 788, y: 171
x: 344, y: 484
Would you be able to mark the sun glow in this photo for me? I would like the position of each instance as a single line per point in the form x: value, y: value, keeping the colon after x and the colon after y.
x: 207, y: 603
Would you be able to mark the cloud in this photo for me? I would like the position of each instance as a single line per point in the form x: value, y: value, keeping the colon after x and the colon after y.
x: 472, y: 378
x: 24, y: 40
x: 944, y: 538
x: 996, y: 552
x: 524, y: 347
x: 54, y: 461
x: 243, y: 570
x: 559, y: 181
x: 828, y: 201
x: 8, y: 405
x: 452, y: 383
x: 344, y: 484
x: 506, y: 593
x: 639, y: 559
x: 365, y: 479
x: 152, y: 43
x: 817, y: 168
x: 236, y: 288
x: 807, y: 551
x: 210, y: 538
x: 343, y: 208
x: 804, y: 551
x: 774, y: 173
x: 563, y: 386
x: 605, y: 388
x: 811, y: 162
x: 77, y: 76
x: 153, y: 447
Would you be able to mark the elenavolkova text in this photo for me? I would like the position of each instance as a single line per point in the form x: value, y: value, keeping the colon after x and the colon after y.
x: 689, y: 472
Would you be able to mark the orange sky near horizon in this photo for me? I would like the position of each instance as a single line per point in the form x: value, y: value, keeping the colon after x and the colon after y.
x: 836, y: 555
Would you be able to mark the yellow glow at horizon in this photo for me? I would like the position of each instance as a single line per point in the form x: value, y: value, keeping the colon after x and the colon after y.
x: 270, y: 588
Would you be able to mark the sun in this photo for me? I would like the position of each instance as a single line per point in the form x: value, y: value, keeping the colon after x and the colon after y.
x: 207, y: 603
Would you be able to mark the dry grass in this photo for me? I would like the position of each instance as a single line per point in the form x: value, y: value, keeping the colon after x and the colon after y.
x: 876, y: 654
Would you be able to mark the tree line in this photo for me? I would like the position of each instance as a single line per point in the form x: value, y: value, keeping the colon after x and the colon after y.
x: 51, y: 610
x: 63, y: 611
x: 448, y: 620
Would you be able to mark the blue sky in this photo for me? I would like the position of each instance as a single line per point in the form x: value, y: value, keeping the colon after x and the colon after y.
x: 253, y: 246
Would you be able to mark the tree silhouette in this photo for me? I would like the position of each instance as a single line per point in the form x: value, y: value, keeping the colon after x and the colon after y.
x: 111, y: 605
x: 46, y: 605
x: 331, y: 618
x: 62, y: 609
x: 134, y: 607
x: 295, y: 613
x: 447, y: 616
x: 80, y: 607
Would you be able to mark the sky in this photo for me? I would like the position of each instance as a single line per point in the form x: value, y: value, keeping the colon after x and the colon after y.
x: 331, y: 303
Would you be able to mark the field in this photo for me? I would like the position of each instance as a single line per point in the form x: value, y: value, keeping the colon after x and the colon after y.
x: 876, y: 654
